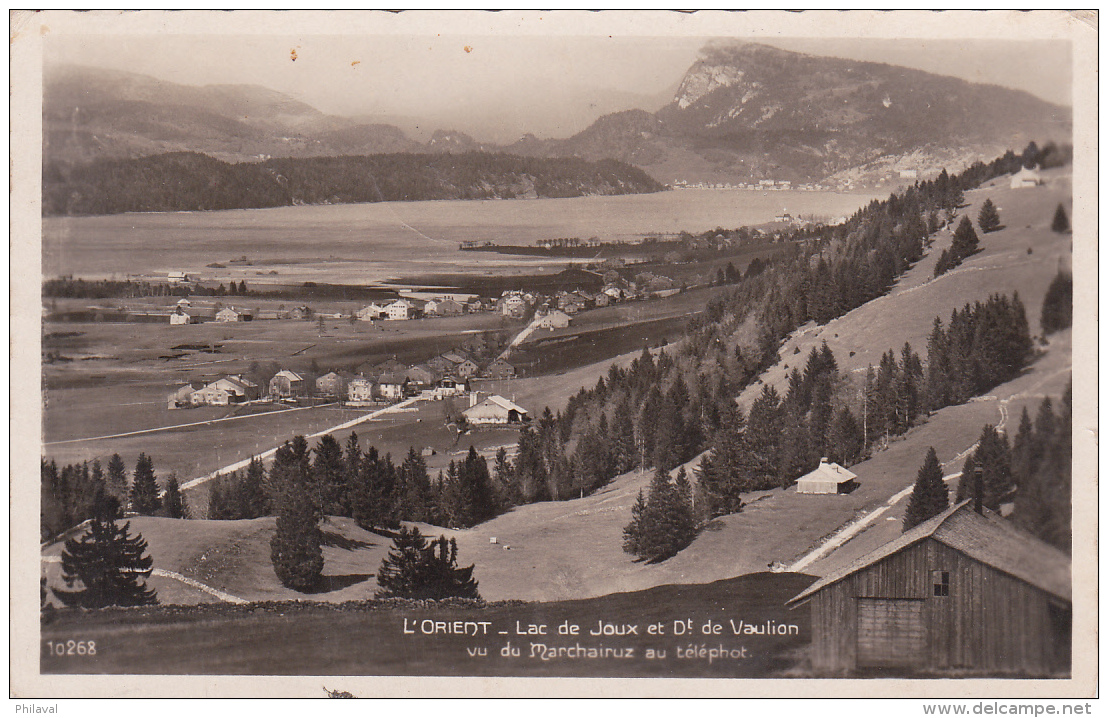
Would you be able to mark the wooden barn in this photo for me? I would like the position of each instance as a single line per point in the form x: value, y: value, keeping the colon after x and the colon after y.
x: 964, y: 593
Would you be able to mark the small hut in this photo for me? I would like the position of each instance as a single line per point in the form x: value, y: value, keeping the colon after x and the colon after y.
x: 827, y: 478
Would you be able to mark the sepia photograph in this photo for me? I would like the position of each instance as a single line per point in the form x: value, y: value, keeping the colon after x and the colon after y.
x: 371, y: 353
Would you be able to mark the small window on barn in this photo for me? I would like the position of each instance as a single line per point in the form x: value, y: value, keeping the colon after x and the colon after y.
x: 941, y: 581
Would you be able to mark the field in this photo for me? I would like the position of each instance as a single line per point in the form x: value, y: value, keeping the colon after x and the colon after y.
x: 360, y: 244
x: 369, y: 640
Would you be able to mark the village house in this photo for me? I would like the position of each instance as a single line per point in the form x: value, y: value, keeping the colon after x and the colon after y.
x: 422, y: 376
x: 229, y: 314
x: 500, y: 369
x: 179, y: 316
x: 371, y: 312
x: 401, y: 309
x: 440, y: 364
x: 225, y: 391
x: 359, y: 389
x: 494, y: 411
x: 391, y: 386
x: 300, y: 313
x: 827, y: 478
x: 286, y: 384
x: 182, y: 395
x: 330, y: 384
x: 460, y: 364
x: 513, y: 305
x: 450, y: 386
x: 443, y: 307
x: 965, y: 592
x: 553, y: 320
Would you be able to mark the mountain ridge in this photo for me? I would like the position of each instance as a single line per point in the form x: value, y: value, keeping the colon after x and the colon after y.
x: 741, y: 113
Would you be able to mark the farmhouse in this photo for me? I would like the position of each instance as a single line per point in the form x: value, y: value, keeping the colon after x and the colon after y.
x: 180, y: 316
x: 827, y: 478
x: 553, y: 320
x: 359, y: 389
x: 1025, y: 178
x: 495, y: 410
x: 964, y: 592
x: 286, y: 383
x: 330, y: 384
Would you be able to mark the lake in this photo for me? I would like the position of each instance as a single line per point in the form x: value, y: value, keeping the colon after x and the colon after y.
x: 360, y: 243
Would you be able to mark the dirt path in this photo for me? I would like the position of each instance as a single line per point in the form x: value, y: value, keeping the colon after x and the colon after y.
x: 192, y: 583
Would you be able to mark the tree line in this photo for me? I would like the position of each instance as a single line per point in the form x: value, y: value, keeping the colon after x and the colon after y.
x: 68, y: 495
x: 190, y: 181
x: 337, y: 480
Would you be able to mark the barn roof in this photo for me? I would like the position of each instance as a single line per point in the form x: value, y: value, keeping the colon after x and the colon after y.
x: 828, y: 471
x: 986, y: 538
x: 496, y: 401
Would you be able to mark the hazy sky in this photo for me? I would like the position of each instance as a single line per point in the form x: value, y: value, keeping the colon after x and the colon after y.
x: 498, y: 87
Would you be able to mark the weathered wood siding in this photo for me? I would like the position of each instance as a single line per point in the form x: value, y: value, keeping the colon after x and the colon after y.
x: 990, y: 622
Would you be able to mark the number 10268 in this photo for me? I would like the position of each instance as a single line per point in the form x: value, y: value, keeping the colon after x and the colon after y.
x: 71, y: 648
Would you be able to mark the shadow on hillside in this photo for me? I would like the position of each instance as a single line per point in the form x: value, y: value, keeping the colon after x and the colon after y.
x: 331, y: 538
x: 327, y: 584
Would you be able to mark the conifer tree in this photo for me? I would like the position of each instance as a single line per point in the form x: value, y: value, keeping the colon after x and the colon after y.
x: 251, y: 497
x: 116, y: 478
x: 1060, y: 223
x: 634, y: 533
x: 929, y: 495
x: 173, y: 503
x: 296, y: 547
x: 374, y: 499
x: 988, y: 218
x: 723, y: 472
x: 965, y: 241
x: 763, y: 438
x: 144, y: 490
x: 107, y: 562
x: 414, y: 569
x: 1058, y: 304
x: 665, y: 525
x: 845, y: 442
x: 329, y: 477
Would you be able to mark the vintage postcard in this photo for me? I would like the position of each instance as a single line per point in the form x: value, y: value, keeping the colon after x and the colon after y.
x: 534, y: 353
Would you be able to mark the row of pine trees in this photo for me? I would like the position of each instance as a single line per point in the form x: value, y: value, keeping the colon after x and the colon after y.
x: 68, y: 494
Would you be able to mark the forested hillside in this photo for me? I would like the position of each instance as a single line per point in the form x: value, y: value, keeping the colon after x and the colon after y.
x: 189, y: 181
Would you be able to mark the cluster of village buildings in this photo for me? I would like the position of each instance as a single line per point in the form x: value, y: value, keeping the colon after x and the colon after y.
x: 446, y: 375
x: 511, y: 303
